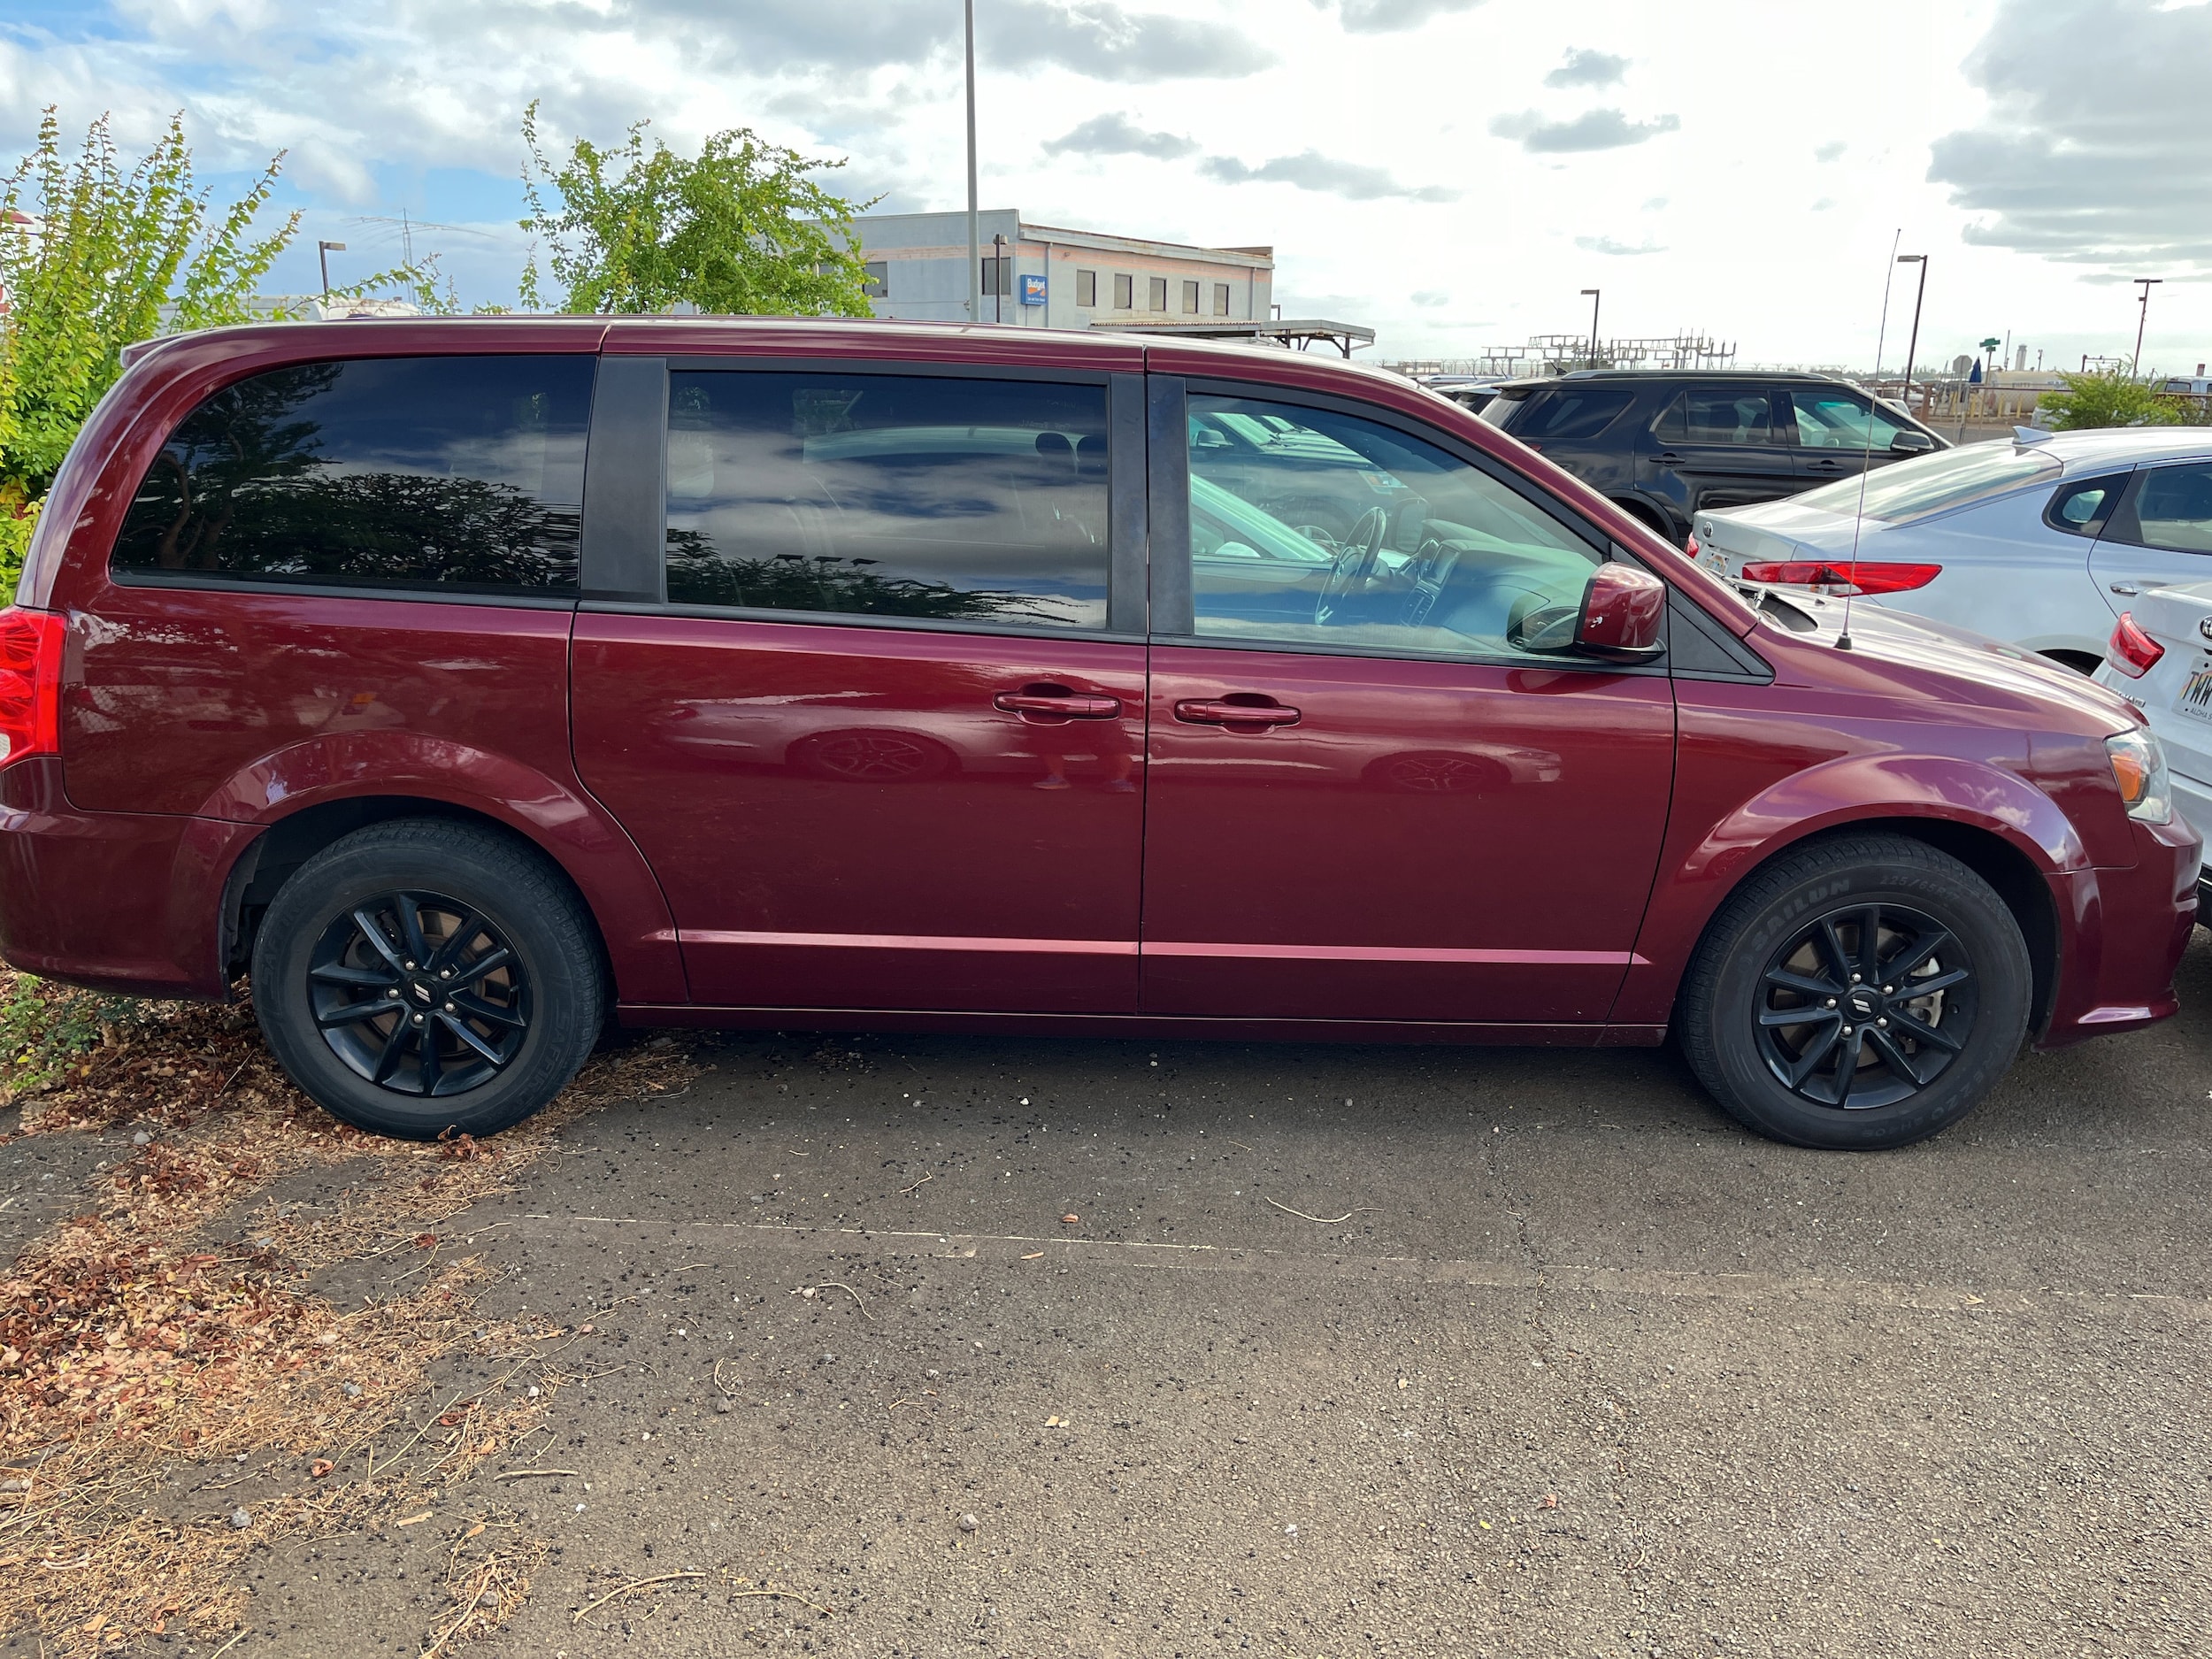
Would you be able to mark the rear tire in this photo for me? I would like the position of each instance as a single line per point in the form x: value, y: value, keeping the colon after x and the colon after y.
x: 422, y: 976
x: 1860, y: 994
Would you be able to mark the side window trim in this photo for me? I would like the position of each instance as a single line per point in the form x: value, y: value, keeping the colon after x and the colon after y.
x: 1167, y: 473
x: 624, y: 481
x: 1128, y: 519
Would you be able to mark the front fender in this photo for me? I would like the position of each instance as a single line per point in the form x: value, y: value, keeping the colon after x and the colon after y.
x: 1864, y: 790
x: 557, y: 817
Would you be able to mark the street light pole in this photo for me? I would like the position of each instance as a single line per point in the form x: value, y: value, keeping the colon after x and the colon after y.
x: 1912, y: 347
x: 1593, y: 293
x: 975, y: 249
x: 2146, y: 283
x: 323, y: 251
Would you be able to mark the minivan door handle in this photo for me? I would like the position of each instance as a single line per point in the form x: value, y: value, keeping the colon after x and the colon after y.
x: 1219, y: 711
x: 1069, y: 705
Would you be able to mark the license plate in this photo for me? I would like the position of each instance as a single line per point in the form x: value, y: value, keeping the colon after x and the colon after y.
x: 2196, y: 695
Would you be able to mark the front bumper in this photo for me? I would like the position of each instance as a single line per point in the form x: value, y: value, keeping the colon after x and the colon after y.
x: 2125, y: 930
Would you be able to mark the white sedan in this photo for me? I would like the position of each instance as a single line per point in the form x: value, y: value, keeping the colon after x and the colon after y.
x: 2160, y: 659
x: 2041, y: 541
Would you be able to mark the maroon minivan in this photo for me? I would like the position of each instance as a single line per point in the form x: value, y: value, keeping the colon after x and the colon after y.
x: 469, y: 682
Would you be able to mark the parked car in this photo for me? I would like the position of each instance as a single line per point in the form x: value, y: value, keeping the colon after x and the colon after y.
x: 1665, y: 445
x: 2041, y: 541
x: 2160, y: 659
x: 1471, y: 392
x: 469, y: 681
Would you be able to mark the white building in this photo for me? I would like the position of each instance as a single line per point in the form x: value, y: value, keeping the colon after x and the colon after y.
x: 1046, y: 278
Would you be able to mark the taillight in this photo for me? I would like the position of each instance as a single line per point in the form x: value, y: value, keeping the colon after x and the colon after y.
x: 1842, y: 578
x: 2130, y: 651
x: 30, y: 684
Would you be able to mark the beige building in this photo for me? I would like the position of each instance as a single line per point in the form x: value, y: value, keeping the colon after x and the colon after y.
x: 1041, y: 276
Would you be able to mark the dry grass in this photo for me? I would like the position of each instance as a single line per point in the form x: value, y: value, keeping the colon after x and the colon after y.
x: 168, y: 1330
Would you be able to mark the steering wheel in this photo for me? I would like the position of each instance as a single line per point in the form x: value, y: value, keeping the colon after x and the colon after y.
x: 1354, y: 565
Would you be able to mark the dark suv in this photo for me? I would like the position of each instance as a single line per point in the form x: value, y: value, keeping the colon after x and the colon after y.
x: 1665, y: 445
x: 470, y: 681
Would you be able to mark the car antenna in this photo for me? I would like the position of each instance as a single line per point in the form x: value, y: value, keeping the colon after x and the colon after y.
x: 1866, y: 457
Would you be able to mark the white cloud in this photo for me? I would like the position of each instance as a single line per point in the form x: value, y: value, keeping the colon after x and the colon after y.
x: 1587, y: 68
x: 2093, y: 150
x: 1593, y: 129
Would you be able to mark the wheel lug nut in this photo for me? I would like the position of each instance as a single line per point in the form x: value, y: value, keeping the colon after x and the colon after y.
x: 1831, y: 1001
x: 1889, y: 990
x: 445, y: 973
x: 449, y: 1008
x: 418, y: 1020
x: 411, y: 968
x: 1854, y: 977
x: 395, y: 993
x: 1846, y: 1029
x: 1881, y: 1022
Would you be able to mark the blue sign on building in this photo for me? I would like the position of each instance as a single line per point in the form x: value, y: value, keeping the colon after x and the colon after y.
x: 1032, y: 290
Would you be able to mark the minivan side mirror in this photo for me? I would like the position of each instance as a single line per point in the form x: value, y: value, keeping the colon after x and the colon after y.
x: 1911, y: 443
x: 1624, y: 615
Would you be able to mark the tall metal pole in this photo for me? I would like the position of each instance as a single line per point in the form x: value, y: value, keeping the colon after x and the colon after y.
x: 975, y: 248
x: 2135, y: 363
x: 1920, y: 293
x: 1594, y: 294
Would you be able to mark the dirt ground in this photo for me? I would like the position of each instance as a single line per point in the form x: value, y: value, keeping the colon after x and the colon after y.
x: 918, y: 1347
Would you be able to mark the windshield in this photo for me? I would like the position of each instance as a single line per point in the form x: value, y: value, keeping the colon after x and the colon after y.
x: 1930, y: 484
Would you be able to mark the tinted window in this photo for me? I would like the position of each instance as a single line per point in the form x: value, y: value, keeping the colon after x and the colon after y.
x: 1935, y: 483
x: 1571, y: 413
x: 1708, y: 414
x: 460, y: 473
x: 1835, y: 419
x: 889, y: 495
x: 2173, y: 509
x: 2081, y: 508
x: 1343, y: 531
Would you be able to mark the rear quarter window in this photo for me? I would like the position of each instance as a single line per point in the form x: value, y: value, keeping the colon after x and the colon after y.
x: 456, y: 475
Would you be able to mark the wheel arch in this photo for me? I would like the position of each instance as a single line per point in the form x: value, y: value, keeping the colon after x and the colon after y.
x: 2009, y: 871
x: 635, y: 963
x: 2004, y: 829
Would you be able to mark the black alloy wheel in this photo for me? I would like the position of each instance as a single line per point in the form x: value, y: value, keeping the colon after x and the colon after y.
x: 1859, y: 992
x: 422, y: 977
x: 1865, y: 1006
x: 420, y: 994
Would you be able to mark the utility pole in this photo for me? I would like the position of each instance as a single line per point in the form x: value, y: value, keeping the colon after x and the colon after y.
x: 323, y: 251
x: 2146, y: 283
x: 1904, y: 396
x: 975, y: 249
x: 1594, y: 294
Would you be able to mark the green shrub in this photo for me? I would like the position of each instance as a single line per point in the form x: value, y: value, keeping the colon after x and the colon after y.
x: 48, y: 1029
x: 2110, y: 398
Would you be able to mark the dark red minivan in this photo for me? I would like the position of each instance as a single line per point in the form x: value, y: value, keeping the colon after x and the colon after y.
x: 470, y: 680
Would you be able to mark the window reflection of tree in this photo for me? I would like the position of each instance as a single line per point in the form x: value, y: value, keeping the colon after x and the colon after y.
x: 699, y: 575
x: 241, y: 489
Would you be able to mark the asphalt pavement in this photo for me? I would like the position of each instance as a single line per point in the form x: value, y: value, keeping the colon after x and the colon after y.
x: 938, y: 1346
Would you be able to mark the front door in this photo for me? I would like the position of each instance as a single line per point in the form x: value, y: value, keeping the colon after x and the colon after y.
x: 2161, y: 533
x: 1716, y: 446
x: 1374, y: 794
x: 880, y: 742
x: 1839, y: 433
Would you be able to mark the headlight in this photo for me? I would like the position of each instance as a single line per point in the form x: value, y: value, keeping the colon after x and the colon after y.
x: 2139, y: 766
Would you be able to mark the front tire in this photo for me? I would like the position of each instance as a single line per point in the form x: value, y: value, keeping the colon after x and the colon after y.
x: 1860, y: 994
x: 421, y: 977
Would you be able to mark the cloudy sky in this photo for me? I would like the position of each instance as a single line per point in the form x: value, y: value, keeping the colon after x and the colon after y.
x: 1450, y: 172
